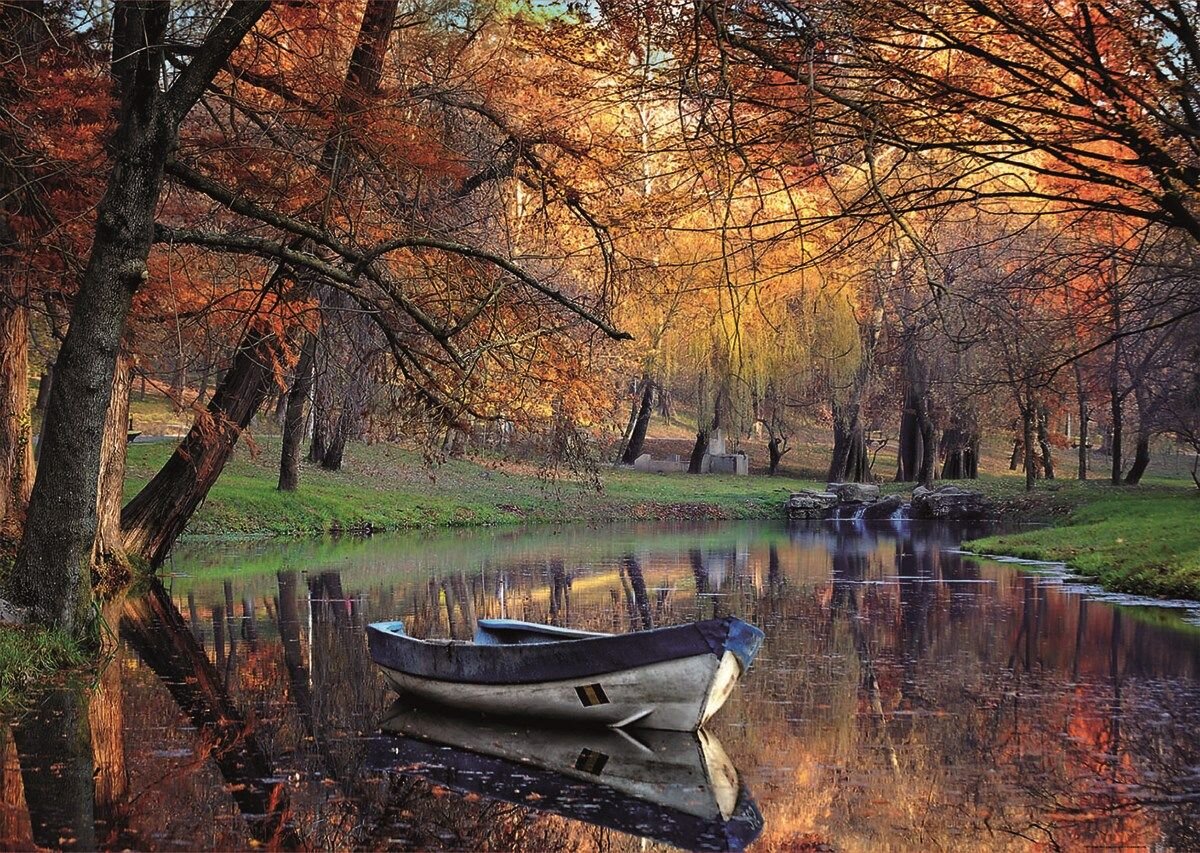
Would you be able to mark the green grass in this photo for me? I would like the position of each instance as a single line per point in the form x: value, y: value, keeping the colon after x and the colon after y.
x: 390, y: 488
x: 29, y: 654
x: 1143, y: 541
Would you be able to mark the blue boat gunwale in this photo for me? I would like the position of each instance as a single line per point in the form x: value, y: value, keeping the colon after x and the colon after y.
x: 568, y: 659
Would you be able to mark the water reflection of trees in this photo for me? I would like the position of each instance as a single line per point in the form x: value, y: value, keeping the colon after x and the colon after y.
x: 906, y: 695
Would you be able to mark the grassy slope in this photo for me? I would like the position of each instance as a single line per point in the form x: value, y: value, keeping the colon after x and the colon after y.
x: 392, y: 488
x: 1145, y: 541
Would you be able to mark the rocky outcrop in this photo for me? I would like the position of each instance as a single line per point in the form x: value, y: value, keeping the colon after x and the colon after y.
x: 854, y: 493
x: 884, y: 507
x: 948, y: 503
x: 810, y: 504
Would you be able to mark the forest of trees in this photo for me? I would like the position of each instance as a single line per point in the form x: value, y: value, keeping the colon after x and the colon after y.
x: 459, y: 222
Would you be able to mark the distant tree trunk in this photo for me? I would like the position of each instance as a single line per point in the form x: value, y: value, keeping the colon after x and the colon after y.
x: 293, y: 422
x: 1028, y: 429
x: 160, y: 511
x: 850, y: 463
x: 1081, y: 391
x: 774, y: 455
x: 108, y: 555
x: 666, y: 410
x: 1116, y: 431
x: 44, y: 383
x: 1043, y: 435
x: 637, y: 439
x: 1141, y: 458
x: 1017, y: 454
x: 961, y: 448
x: 696, y: 461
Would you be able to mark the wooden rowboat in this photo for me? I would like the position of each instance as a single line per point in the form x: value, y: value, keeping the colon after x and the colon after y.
x: 668, y: 678
x: 676, y: 787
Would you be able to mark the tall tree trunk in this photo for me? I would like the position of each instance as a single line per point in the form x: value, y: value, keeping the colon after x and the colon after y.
x: 159, y: 512
x: 108, y: 555
x: 1084, y: 414
x: 637, y: 439
x: 16, y: 434
x: 293, y: 422
x: 60, y: 529
x: 22, y: 33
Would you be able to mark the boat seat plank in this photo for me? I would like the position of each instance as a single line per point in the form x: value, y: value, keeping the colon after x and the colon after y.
x: 507, y: 632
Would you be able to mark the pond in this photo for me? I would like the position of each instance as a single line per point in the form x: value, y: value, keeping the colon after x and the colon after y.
x: 907, y: 697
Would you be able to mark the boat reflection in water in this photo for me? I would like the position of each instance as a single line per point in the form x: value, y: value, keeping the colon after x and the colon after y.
x: 676, y: 787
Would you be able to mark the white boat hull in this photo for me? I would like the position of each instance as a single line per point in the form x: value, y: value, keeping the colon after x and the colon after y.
x: 679, y: 695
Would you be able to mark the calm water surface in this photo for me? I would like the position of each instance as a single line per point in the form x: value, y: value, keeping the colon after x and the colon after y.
x: 907, y: 698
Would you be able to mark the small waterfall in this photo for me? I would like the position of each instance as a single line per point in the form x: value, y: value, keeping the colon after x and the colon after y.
x: 860, y: 512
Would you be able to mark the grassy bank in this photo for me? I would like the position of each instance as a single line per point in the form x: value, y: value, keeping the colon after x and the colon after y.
x: 390, y: 488
x: 1144, y: 541
x: 30, y: 654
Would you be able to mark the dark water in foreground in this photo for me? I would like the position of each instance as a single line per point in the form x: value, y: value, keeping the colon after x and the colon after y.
x: 907, y: 697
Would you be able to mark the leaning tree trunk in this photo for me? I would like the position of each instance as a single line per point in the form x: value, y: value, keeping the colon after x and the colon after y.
x: 1141, y: 458
x: 159, y: 512
x: 637, y: 438
x: 293, y: 421
x: 108, y: 554
x: 774, y: 455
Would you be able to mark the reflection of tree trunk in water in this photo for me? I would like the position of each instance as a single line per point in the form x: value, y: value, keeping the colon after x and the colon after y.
x: 218, y: 625
x: 54, y: 745
x: 15, y: 827
x: 1080, y: 632
x: 107, y: 721
x: 157, y: 632
x: 194, y: 619
x: 293, y: 647
x: 700, y: 573
x: 774, y: 570
x: 560, y: 594
x: 1114, y: 672
x: 639, y: 601
x: 249, y: 626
